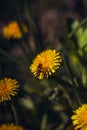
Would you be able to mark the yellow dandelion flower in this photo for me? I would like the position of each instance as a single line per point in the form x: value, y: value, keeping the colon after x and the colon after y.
x: 80, y: 118
x: 12, y: 30
x: 45, y: 63
x: 8, y: 88
x: 10, y: 127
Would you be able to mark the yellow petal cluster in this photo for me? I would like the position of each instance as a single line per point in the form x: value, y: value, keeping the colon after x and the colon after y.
x: 10, y: 127
x: 12, y: 30
x: 45, y: 63
x: 8, y: 88
x: 79, y: 118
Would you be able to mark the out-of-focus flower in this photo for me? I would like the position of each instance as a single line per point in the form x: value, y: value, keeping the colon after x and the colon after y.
x: 12, y: 30
x: 8, y: 88
x: 80, y: 118
x: 45, y: 63
x: 10, y: 127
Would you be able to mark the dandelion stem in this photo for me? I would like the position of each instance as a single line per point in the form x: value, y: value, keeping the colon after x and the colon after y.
x: 44, y: 121
x: 9, y: 56
x: 12, y: 58
x: 35, y: 28
x: 14, y: 113
x: 68, y: 97
x: 24, y: 50
x: 64, y: 83
x: 67, y: 67
x: 24, y: 38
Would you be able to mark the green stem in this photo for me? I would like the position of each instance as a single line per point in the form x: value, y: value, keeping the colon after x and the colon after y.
x: 2, y: 52
x: 28, y: 14
x: 67, y: 67
x: 81, y: 24
x: 65, y: 86
x: 68, y: 97
x: 24, y: 50
x: 14, y: 114
x: 32, y: 26
x: 43, y: 122
x: 9, y: 56
x: 24, y: 38
x: 35, y: 28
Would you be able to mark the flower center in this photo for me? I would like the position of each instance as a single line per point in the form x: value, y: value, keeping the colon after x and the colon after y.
x: 4, y: 88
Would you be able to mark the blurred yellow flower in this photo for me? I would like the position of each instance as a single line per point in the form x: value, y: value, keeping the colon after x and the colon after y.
x: 45, y: 63
x: 8, y: 88
x: 80, y: 118
x: 10, y: 127
x: 12, y: 30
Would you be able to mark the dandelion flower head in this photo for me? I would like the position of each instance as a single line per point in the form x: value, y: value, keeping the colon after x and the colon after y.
x: 45, y: 63
x: 8, y: 88
x: 12, y: 30
x: 10, y: 127
x: 79, y: 118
